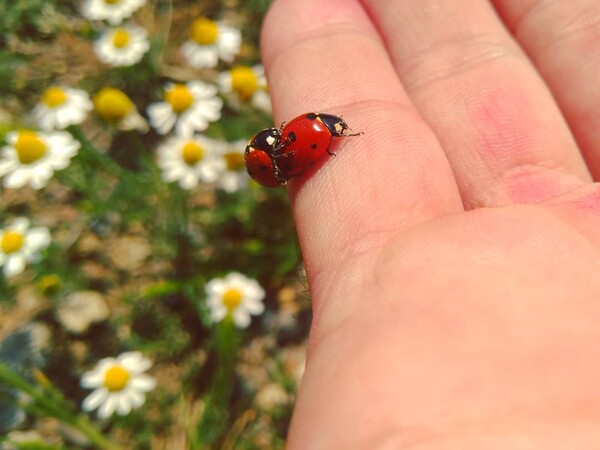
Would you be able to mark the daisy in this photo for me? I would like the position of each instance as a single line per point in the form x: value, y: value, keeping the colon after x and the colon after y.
x: 190, y: 160
x: 234, y: 296
x: 234, y: 177
x: 61, y: 107
x: 116, y: 108
x: 20, y: 244
x: 244, y: 84
x: 119, y: 384
x: 114, y: 11
x: 31, y: 157
x: 122, y: 46
x: 187, y: 107
x: 209, y: 41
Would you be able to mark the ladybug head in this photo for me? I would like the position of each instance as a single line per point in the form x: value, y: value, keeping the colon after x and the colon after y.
x: 336, y: 125
x: 266, y: 140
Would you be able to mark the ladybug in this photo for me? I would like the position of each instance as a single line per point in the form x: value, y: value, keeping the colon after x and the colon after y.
x: 258, y: 158
x: 305, y: 139
x: 274, y: 156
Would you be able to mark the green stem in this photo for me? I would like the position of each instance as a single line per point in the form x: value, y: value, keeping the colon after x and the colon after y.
x: 50, y: 401
x: 93, y: 155
x: 216, y: 415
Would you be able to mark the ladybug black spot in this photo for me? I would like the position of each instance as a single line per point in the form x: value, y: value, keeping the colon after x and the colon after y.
x: 313, y: 145
x: 292, y: 136
x: 312, y: 116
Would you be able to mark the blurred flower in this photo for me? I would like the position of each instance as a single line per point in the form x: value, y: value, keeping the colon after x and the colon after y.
x: 31, y: 157
x: 244, y: 84
x: 234, y: 177
x: 49, y: 284
x: 116, y: 108
x: 20, y: 244
x: 61, y: 107
x: 119, y: 384
x: 122, y: 46
x: 189, y: 107
x: 114, y: 11
x: 79, y: 310
x: 209, y: 41
x: 189, y: 160
x: 236, y: 296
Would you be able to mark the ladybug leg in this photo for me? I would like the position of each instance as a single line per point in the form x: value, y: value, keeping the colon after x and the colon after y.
x: 282, y: 125
x: 360, y: 133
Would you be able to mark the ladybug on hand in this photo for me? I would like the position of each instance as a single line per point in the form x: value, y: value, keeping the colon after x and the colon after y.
x: 274, y: 156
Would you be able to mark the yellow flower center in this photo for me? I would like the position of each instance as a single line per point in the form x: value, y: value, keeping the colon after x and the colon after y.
x: 53, y: 97
x: 232, y: 299
x: 204, y: 31
x: 121, y: 38
x: 12, y: 242
x: 112, y: 104
x: 29, y: 147
x: 234, y: 160
x: 191, y: 153
x: 116, y: 378
x: 111, y: 2
x: 179, y: 97
x: 49, y: 284
x: 244, y: 82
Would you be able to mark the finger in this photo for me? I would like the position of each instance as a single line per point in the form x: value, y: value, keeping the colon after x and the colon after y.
x: 502, y: 132
x: 326, y: 57
x: 562, y: 39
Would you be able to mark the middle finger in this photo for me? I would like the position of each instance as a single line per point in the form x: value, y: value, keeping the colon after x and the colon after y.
x: 502, y: 132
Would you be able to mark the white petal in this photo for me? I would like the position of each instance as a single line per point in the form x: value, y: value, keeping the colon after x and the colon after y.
x: 38, y: 238
x: 17, y: 179
x: 94, y: 400
x: 143, y: 383
x: 189, y: 181
x: 200, y: 56
x: 254, y: 307
x: 123, y: 405
x: 161, y: 117
x: 136, y: 398
x: 218, y: 313
x: 20, y: 225
x: 241, y: 318
x: 135, y: 362
x: 92, y: 379
x: 108, y: 407
x: 14, y: 265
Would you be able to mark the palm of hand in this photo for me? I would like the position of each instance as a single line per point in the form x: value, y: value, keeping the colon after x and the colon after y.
x: 452, y: 250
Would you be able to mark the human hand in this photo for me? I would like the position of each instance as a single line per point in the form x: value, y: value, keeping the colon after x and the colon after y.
x: 452, y: 250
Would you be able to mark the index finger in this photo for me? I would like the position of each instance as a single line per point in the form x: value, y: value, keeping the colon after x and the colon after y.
x: 327, y: 57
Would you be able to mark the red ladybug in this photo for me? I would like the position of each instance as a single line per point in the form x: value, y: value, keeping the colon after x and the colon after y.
x: 305, y: 139
x: 273, y: 157
x: 258, y: 158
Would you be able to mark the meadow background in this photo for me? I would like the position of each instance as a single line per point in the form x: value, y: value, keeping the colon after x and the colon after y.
x: 126, y: 254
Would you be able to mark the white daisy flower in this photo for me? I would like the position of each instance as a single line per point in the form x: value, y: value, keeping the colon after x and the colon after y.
x: 114, y: 11
x: 244, y: 84
x: 122, y: 46
x: 190, y: 160
x: 235, y: 296
x: 119, y: 384
x: 61, y: 107
x: 20, y: 244
x: 234, y: 177
x: 187, y: 107
x: 116, y: 108
x: 209, y: 41
x: 31, y: 157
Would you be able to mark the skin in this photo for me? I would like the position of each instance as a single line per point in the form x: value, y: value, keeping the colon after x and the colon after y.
x: 452, y: 250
